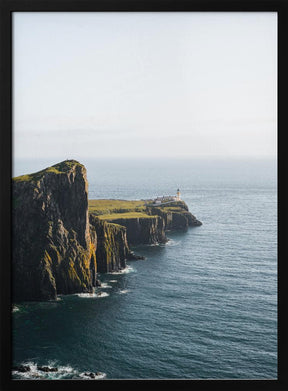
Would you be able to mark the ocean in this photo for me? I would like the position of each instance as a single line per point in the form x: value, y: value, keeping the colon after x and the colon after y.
x: 202, y: 306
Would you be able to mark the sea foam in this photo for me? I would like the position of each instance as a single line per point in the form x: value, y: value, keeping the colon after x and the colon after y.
x: 64, y: 372
x: 123, y: 291
x: 95, y: 295
x: 105, y: 285
x: 127, y: 269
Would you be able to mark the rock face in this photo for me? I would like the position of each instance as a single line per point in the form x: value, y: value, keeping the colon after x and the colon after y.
x: 112, y: 247
x: 176, y: 218
x: 151, y: 230
x: 148, y: 230
x: 54, y: 249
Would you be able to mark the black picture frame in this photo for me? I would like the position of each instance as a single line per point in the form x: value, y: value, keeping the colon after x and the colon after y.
x: 10, y: 6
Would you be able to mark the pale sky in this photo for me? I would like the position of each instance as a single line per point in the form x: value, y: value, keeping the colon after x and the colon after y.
x: 144, y: 84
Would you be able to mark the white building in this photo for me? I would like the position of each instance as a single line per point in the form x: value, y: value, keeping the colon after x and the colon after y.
x: 164, y: 199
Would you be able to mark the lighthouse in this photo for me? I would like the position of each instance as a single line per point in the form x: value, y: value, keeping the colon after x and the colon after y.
x: 178, y: 195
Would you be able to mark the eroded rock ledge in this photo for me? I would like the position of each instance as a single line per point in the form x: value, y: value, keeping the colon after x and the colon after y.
x: 59, y: 244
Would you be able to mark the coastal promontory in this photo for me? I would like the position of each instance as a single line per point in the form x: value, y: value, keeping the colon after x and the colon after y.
x: 61, y: 239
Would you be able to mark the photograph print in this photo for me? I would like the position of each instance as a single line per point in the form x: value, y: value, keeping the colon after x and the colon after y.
x: 144, y: 196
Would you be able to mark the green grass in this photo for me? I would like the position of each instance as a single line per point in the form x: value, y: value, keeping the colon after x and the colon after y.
x: 172, y: 209
x: 58, y: 168
x: 122, y: 209
x: 127, y: 215
x: 178, y: 206
x: 118, y: 209
x: 106, y: 207
x: 35, y: 176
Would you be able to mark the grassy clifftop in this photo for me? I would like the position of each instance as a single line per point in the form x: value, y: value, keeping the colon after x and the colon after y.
x: 115, y: 209
x: 99, y: 207
x: 59, y: 168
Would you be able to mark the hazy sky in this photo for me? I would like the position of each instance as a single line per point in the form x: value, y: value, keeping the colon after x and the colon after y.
x: 144, y: 84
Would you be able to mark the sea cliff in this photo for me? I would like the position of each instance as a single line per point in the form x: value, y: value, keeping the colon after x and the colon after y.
x: 176, y: 216
x: 54, y: 249
x: 145, y: 223
x: 143, y: 230
x: 112, y: 246
x: 61, y: 240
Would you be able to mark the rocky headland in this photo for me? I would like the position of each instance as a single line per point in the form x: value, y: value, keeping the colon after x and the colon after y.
x: 61, y: 240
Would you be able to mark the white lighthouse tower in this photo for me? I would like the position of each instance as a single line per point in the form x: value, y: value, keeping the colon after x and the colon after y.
x: 178, y: 195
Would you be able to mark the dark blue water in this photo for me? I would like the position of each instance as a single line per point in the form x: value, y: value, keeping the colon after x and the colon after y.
x: 203, y: 306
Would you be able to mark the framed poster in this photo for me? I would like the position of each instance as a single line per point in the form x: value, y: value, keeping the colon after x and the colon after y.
x: 143, y: 150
